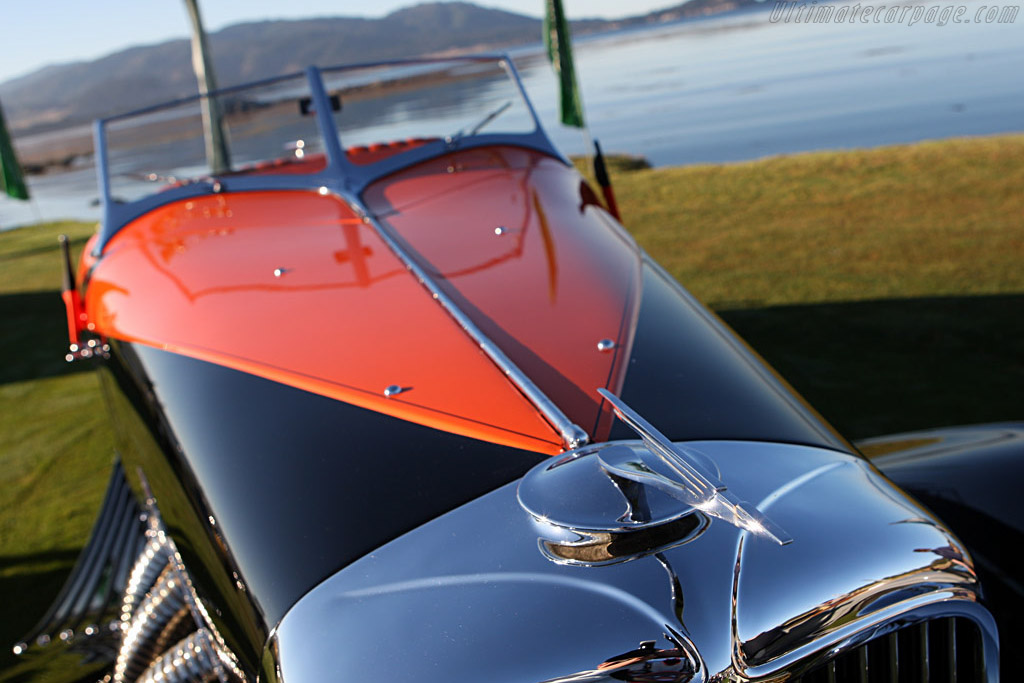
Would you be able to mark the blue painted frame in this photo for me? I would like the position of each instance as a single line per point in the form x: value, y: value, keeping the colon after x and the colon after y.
x: 340, y: 176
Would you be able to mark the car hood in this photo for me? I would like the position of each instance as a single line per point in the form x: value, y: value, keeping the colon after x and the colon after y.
x: 513, y: 235
x: 298, y: 287
x: 471, y: 595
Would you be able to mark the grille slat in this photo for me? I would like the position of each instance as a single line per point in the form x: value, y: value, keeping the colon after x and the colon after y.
x: 951, y: 663
x: 894, y: 657
x: 945, y: 650
x: 879, y: 661
x: 926, y: 667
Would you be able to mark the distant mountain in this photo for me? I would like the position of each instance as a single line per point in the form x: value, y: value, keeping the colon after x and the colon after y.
x: 61, y: 95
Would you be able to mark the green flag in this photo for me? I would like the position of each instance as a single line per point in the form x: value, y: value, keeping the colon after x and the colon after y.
x: 559, y: 44
x: 11, y: 181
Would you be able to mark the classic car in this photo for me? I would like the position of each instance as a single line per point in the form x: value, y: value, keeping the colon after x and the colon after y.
x: 396, y: 397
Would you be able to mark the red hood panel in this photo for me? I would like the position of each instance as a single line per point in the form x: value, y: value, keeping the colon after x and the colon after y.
x: 344, y: 318
x: 523, y: 247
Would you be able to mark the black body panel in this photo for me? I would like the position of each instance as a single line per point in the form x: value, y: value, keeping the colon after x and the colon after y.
x: 692, y: 378
x: 294, y: 486
x: 970, y: 478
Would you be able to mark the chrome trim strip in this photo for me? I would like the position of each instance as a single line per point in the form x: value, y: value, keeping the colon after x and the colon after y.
x: 573, y: 436
x: 223, y: 660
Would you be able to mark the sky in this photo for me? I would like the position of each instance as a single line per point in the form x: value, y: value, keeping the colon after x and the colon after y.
x: 43, y: 32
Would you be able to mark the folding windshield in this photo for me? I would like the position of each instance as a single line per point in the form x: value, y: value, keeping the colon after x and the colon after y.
x: 391, y: 107
x: 338, y: 128
x: 259, y: 128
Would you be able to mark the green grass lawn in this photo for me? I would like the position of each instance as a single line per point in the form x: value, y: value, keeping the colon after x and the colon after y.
x: 55, y: 444
x: 886, y: 285
x: 932, y: 219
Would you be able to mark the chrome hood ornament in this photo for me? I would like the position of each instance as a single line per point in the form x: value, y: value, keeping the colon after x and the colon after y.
x: 612, y: 502
x: 693, y: 483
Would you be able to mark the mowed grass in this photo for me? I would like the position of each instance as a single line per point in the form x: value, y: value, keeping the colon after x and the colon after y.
x: 931, y: 219
x: 55, y: 443
x: 885, y: 284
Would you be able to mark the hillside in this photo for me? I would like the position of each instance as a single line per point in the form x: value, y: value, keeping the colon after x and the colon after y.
x: 61, y: 95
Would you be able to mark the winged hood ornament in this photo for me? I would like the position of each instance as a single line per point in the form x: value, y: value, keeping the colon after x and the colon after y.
x: 692, y: 482
x: 669, y: 491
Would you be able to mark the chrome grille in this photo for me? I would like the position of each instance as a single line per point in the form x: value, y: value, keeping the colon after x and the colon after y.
x: 944, y: 650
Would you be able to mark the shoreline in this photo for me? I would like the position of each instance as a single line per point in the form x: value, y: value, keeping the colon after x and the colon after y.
x: 619, y: 164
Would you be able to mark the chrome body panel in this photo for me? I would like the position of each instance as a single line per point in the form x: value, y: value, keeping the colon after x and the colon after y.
x: 470, y: 592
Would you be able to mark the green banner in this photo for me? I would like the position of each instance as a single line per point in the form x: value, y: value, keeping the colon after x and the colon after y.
x: 559, y: 44
x: 11, y: 181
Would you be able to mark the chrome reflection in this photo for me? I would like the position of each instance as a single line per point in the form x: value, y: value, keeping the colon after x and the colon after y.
x: 597, y: 549
x: 691, y: 483
x: 586, y: 514
x: 867, y: 562
x: 616, y: 501
x: 937, y: 649
x: 941, y: 579
x: 646, y: 664
x: 925, y: 583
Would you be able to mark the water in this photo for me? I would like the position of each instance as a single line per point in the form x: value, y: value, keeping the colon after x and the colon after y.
x: 742, y: 87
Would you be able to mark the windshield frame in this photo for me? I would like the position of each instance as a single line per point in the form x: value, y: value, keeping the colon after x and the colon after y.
x: 340, y: 176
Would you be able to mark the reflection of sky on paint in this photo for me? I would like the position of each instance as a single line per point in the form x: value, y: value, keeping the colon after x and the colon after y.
x: 739, y: 87
x: 59, y: 31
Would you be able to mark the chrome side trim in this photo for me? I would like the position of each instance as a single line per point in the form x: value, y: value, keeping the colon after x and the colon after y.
x: 194, y: 658
x: 91, y: 595
x: 573, y: 436
x: 172, y: 596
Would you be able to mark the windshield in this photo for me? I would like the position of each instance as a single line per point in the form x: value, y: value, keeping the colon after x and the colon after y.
x: 414, y: 103
x: 273, y: 128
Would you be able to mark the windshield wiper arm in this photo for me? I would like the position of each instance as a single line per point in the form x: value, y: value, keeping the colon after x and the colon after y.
x: 483, y: 122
